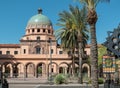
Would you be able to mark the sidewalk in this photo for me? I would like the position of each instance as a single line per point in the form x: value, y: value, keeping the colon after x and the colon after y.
x: 43, y: 83
x: 27, y: 80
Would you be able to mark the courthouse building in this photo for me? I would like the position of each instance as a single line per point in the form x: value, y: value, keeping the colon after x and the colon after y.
x: 36, y: 50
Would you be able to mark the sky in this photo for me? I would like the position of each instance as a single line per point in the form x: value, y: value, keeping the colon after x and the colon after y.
x: 15, y: 14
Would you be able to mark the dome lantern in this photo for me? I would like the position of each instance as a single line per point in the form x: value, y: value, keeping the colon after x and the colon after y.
x: 39, y: 11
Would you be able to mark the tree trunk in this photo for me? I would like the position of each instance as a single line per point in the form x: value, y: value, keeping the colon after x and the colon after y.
x: 80, y: 63
x: 94, y: 57
x: 73, y: 63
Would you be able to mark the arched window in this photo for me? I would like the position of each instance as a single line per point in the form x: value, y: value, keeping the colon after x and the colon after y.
x: 38, y: 30
x: 33, y: 30
x: 28, y: 30
x: 38, y: 50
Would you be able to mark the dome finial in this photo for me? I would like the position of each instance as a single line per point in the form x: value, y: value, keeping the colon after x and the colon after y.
x: 39, y: 11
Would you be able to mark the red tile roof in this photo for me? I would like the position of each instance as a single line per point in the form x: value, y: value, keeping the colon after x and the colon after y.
x: 9, y: 45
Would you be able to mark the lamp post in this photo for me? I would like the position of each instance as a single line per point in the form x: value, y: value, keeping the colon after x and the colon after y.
x: 50, y: 41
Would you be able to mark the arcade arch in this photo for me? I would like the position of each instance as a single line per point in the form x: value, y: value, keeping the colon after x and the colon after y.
x: 86, y: 70
x: 41, y: 69
x: 30, y: 69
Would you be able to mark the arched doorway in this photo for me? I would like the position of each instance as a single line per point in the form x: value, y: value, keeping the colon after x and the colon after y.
x: 85, y: 71
x: 64, y: 68
x: 30, y: 70
x: 7, y: 69
x: 20, y: 68
x: 41, y: 69
x: 75, y: 69
x: 52, y: 68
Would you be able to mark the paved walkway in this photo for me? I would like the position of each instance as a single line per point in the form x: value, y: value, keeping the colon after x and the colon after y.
x: 27, y: 80
x: 42, y: 83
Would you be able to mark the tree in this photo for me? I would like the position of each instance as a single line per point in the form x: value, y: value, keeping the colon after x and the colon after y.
x: 73, y: 31
x: 92, y: 19
x: 101, y: 51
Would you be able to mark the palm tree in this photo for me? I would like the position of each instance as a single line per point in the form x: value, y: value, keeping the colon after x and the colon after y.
x: 82, y: 36
x: 73, y: 31
x: 92, y: 19
x: 67, y: 35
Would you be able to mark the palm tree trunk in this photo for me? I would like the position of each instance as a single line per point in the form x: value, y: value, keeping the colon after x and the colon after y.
x: 73, y: 63
x: 80, y: 64
x: 94, y: 57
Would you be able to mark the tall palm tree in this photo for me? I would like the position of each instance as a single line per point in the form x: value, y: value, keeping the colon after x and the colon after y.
x: 73, y: 31
x: 82, y: 36
x: 92, y: 19
x: 67, y: 35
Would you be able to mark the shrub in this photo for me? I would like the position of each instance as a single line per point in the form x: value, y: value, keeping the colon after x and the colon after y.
x: 60, y: 79
x: 100, y: 81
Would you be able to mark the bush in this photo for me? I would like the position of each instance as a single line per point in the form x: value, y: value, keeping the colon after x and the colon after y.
x: 100, y: 81
x: 60, y: 79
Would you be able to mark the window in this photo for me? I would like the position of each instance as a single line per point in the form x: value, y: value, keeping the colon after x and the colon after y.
x: 51, y: 51
x: 48, y: 31
x: 33, y: 30
x: 38, y: 50
x: 60, y: 52
x: 43, y: 30
x: 52, y: 70
x: 85, y: 52
x: 15, y: 52
x: 38, y: 30
x: 28, y: 30
x: 38, y: 38
x: 0, y: 52
x: 7, y: 52
x: 24, y: 51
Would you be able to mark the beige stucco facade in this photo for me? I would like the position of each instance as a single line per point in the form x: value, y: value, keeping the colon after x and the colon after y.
x: 38, y: 48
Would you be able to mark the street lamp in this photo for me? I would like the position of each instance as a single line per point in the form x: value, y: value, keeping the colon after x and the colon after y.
x: 50, y: 41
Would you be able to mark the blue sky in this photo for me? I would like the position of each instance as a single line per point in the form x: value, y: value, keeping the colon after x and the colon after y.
x: 14, y: 15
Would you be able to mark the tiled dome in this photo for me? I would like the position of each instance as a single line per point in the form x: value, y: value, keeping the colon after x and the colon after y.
x: 39, y: 19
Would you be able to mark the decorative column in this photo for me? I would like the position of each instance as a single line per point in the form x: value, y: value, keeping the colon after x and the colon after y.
x: 25, y: 72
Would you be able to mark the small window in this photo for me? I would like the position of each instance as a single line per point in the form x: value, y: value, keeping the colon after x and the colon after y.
x: 38, y: 50
x: 38, y: 38
x: 15, y: 52
x: 48, y: 31
x: 60, y: 52
x: 33, y: 30
x: 38, y: 30
x: 24, y: 51
x: 43, y: 30
x: 28, y: 30
x: 0, y: 52
x: 51, y: 51
x: 7, y: 52
x: 52, y: 70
